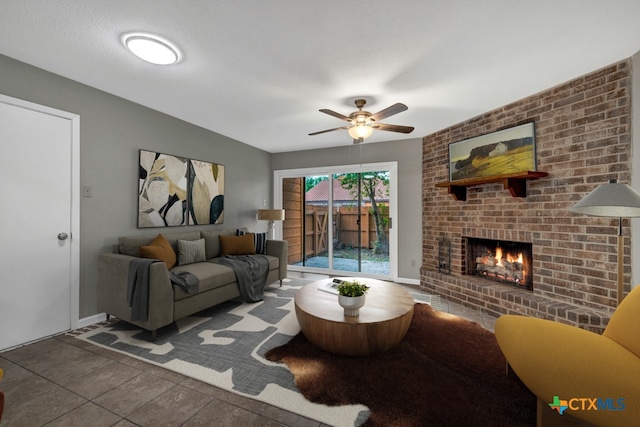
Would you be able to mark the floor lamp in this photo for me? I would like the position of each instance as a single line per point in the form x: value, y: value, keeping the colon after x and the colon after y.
x: 612, y: 200
x: 271, y: 215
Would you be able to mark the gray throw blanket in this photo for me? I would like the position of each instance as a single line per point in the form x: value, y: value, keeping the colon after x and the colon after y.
x: 138, y: 286
x: 187, y: 281
x: 251, y: 272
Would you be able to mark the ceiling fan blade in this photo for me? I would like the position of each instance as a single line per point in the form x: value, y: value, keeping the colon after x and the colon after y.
x: 334, y: 114
x: 389, y: 111
x: 329, y: 130
x: 393, y: 128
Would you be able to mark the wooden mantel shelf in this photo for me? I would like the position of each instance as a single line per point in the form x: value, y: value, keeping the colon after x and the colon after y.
x: 516, y: 183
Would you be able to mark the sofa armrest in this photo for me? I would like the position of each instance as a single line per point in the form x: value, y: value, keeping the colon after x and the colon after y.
x: 113, y: 273
x: 279, y: 249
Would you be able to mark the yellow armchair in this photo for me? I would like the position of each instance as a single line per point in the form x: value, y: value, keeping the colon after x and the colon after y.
x: 596, y: 378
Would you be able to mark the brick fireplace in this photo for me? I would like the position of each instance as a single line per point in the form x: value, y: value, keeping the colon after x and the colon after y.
x: 583, y: 139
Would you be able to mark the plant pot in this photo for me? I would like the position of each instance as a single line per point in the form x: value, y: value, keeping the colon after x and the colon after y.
x: 351, y: 305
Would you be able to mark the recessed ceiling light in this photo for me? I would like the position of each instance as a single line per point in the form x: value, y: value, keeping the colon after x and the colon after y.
x: 151, y: 48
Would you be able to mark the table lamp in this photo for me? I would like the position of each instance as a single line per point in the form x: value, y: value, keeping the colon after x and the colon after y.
x: 271, y: 215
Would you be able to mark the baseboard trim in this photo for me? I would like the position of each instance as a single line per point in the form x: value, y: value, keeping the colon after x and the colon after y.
x: 407, y: 281
x: 88, y: 321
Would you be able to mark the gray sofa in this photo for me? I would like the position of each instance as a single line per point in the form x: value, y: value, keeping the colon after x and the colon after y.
x: 168, y: 302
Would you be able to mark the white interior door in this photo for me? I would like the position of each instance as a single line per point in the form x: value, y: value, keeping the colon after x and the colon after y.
x: 37, y: 298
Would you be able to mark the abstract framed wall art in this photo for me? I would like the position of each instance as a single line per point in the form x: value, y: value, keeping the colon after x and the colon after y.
x: 206, y: 193
x: 162, y: 190
x: 508, y: 151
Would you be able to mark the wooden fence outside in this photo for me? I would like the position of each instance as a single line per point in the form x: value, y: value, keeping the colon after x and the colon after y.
x: 345, y: 228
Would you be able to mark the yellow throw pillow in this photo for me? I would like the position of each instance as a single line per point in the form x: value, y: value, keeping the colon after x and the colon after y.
x: 237, y: 245
x: 161, y: 249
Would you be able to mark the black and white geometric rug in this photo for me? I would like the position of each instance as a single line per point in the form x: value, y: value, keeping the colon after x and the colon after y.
x: 224, y: 346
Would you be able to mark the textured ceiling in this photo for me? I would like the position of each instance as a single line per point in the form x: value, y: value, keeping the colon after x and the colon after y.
x: 259, y: 71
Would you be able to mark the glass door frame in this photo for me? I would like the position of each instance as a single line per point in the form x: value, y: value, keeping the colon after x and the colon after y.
x: 392, y: 167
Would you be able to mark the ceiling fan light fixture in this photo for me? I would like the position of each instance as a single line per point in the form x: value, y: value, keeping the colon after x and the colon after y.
x: 151, y: 48
x: 360, y: 118
x: 362, y: 123
x: 360, y: 131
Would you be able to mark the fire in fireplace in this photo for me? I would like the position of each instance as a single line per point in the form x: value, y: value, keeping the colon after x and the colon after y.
x: 501, y: 261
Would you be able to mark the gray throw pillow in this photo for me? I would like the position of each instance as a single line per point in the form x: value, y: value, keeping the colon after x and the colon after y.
x: 190, y: 251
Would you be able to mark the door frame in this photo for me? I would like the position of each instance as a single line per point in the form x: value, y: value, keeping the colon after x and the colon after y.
x: 392, y: 167
x: 74, y: 238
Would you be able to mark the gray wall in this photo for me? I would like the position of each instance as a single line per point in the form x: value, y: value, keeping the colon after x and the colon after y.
x: 112, y: 130
x: 408, y: 154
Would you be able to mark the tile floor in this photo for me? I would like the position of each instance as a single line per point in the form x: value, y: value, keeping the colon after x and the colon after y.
x: 64, y: 381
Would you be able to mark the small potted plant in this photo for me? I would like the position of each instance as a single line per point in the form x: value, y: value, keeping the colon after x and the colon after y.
x: 351, y: 296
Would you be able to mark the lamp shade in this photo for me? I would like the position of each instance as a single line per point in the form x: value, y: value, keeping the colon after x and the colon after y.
x: 612, y: 199
x: 271, y: 214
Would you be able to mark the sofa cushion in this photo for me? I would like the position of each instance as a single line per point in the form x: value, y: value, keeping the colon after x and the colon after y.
x: 211, y: 275
x: 190, y: 251
x: 259, y: 240
x: 212, y: 241
x: 274, y: 262
x: 129, y: 245
x: 237, y: 245
x: 161, y: 249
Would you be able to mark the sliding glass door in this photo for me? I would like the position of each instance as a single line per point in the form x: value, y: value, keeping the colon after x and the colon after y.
x: 316, y: 236
x: 339, y: 222
x: 361, y: 216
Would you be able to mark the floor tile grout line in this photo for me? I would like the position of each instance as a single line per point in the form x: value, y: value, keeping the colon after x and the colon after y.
x: 211, y: 398
x: 87, y: 400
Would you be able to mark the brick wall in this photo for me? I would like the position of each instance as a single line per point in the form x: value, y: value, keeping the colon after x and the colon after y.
x: 583, y: 139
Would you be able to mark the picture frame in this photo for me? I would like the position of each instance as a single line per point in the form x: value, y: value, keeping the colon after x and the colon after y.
x: 507, y: 151
x: 206, y: 193
x: 177, y: 191
x: 162, y: 190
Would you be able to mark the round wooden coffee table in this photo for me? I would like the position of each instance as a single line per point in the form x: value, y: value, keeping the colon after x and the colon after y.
x: 381, y: 325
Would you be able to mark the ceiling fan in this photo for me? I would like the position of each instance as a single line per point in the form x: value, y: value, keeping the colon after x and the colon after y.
x: 362, y: 123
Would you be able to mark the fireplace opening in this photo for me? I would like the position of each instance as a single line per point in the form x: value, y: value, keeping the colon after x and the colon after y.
x: 501, y: 261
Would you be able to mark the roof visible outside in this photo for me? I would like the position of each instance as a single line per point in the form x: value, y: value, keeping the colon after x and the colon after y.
x: 320, y: 192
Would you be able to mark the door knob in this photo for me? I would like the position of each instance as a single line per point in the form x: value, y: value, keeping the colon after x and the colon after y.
x: 63, y: 236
